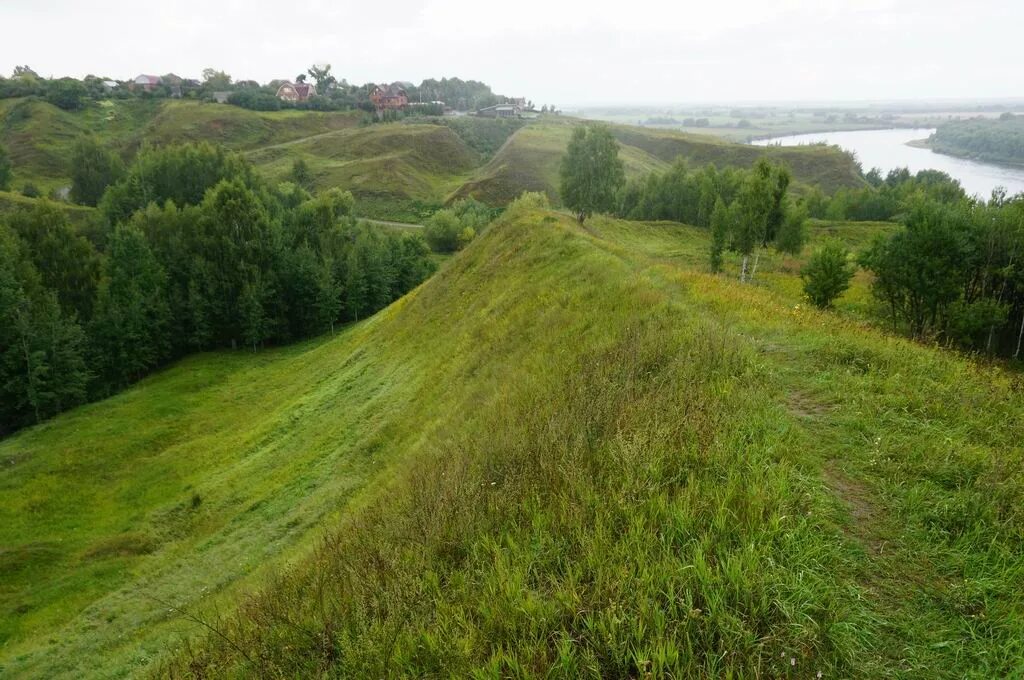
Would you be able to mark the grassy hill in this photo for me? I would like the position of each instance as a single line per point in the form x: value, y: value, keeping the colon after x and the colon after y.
x: 399, y: 170
x: 530, y: 159
x: 390, y: 168
x: 40, y: 136
x: 572, y: 452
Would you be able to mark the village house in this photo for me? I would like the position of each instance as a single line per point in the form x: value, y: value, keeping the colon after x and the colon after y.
x: 296, y: 92
x: 146, y: 83
x: 500, y: 111
x: 389, y: 97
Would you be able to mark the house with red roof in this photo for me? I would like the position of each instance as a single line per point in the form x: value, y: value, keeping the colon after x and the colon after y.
x: 296, y: 92
x: 393, y: 96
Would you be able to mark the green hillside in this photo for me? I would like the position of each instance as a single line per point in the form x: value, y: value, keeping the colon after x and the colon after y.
x: 530, y: 159
x: 40, y: 136
x: 403, y: 170
x: 572, y: 452
x: 396, y: 164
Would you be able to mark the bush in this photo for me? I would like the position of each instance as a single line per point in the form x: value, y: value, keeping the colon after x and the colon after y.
x: 827, y: 274
x: 443, y: 232
x: 5, y: 169
x: 451, y: 229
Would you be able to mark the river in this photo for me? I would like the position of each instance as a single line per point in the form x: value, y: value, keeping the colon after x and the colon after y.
x: 888, y: 149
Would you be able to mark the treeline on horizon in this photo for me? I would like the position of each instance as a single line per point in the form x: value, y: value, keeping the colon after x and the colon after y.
x: 333, y: 94
x: 194, y: 252
x: 999, y: 140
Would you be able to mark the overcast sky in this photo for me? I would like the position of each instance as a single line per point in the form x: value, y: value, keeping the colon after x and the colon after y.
x: 564, y: 52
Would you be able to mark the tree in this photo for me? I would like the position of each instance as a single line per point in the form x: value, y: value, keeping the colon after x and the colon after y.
x: 129, y: 331
x: 919, y: 269
x: 827, y: 274
x: 66, y: 93
x: 93, y: 169
x: 182, y: 174
x: 322, y: 75
x: 67, y: 263
x: 5, y: 169
x: 42, y: 369
x: 442, y: 231
x: 301, y: 174
x: 216, y: 80
x: 793, y: 233
x: 591, y: 172
x: 720, y: 229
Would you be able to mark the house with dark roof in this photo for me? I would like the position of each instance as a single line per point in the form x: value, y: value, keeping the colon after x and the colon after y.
x: 389, y: 97
x: 296, y: 92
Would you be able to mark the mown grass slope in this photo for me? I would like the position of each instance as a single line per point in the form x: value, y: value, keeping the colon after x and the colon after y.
x: 571, y: 453
x: 531, y: 158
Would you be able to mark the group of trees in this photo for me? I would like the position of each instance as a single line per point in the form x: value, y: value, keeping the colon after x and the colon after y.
x: 883, y: 198
x: 451, y: 229
x: 197, y: 254
x: 954, y: 271
x: 746, y: 210
x: 998, y: 140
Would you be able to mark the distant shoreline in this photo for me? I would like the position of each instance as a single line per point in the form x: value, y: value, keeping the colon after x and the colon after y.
x: 926, y: 144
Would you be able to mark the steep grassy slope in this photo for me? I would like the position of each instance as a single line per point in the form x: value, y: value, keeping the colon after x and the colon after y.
x: 530, y: 160
x: 572, y: 452
x: 657, y: 470
x: 179, y: 487
x: 392, y: 163
x: 40, y: 136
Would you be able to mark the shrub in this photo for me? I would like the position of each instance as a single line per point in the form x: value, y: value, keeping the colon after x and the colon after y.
x: 827, y: 274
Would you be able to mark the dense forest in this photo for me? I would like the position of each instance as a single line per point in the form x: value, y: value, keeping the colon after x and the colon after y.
x: 997, y: 140
x: 193, y: 252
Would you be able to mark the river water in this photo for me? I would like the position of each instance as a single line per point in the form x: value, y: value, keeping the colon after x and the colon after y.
x: 887, y: 149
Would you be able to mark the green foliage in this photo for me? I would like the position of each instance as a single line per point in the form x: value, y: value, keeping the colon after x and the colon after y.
x: 722, y: 219
x: 5, y: 168
x: 129, y: 332
x: 301, y: 174
x: 244, y: 266
x: 42, y: 369
x: 451, y: 229
x: 885, y: 199
x: 93, y: 169
x: 462, y: 95
x: 792, y: 234
x: 67, y: 263
x: 66, y: 93
x: 997, y: 140
x: 591, y: 172
x: 953, y: 272
x: 827, y: 274
x: 182, y: 174
x: 484, y: 135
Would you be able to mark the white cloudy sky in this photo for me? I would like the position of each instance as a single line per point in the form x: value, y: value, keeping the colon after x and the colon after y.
x: 565, y: 52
